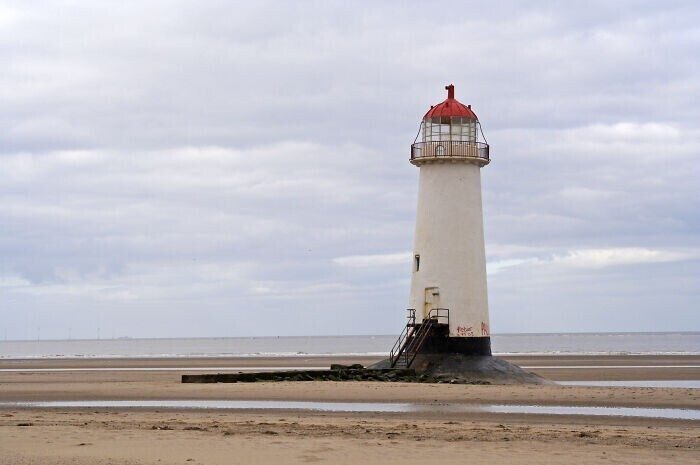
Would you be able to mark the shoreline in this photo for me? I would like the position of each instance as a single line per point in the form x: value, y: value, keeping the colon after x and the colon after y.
x: 129, y: 379
x: 156, y: 435
x: 557, y: 368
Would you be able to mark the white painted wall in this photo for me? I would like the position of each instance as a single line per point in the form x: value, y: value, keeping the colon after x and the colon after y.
x: 450, y: 241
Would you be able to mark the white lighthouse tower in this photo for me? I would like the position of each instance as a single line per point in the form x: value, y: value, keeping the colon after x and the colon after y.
x: 449, y: 264
x: 448, y: 304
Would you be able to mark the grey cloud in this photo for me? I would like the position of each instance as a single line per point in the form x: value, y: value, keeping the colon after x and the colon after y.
x: 183, y: 164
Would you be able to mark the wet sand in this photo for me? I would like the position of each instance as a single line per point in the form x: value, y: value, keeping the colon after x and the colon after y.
x: 151, y: 436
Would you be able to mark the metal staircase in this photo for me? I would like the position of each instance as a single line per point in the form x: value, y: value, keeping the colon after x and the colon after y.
x: 414, y: 336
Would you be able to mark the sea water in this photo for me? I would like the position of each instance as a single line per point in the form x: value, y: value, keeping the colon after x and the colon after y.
x: 553, y: 343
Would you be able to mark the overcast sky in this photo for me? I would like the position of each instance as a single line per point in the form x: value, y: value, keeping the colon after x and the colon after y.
x: 241, y: 168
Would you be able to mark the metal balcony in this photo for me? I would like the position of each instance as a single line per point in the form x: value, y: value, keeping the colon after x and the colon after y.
x: 445, y: 149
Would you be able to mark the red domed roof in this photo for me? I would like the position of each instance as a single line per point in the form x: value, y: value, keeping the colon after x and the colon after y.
x: 451, y: 107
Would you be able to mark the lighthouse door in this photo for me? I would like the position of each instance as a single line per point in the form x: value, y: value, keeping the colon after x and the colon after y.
x: 432, y: 300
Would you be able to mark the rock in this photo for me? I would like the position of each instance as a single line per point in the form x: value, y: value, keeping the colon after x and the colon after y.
x: 161, y: 427
x: 338, y: 366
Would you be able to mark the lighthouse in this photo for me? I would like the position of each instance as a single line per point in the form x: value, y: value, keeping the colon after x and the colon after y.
x: 448, y: 334
x: 448, y: 278
x: 448, y: 331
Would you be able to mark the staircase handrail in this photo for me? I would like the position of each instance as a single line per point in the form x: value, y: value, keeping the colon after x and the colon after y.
x: 398, y: 345
x: 413, y: 336
x: 408, y: 330
x: 423, y: 333
x: 439, y: 314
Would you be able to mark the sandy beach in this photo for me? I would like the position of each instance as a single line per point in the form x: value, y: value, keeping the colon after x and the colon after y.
x: 160, y: 435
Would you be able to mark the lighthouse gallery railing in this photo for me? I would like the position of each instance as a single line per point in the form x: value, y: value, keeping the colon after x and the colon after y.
x: 450, y: 149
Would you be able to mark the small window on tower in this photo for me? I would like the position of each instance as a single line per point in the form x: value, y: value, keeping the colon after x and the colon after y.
x: 417, y: 262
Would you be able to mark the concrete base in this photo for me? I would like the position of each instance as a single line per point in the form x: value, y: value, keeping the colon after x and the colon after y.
x: 470, y: 368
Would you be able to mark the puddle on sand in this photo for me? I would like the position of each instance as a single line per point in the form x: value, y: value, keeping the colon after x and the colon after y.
x: 668, y: 413
x: 210, y: 369
x: 670, y: 383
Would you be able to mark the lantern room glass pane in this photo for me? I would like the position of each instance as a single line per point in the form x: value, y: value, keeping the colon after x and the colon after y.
x: 456, y: 129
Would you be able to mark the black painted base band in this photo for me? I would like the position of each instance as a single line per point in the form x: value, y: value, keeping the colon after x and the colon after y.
x: 443, y: 344
x: 469, y: 345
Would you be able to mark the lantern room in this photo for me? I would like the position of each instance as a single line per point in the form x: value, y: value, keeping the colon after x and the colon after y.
x: 450, y: 130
